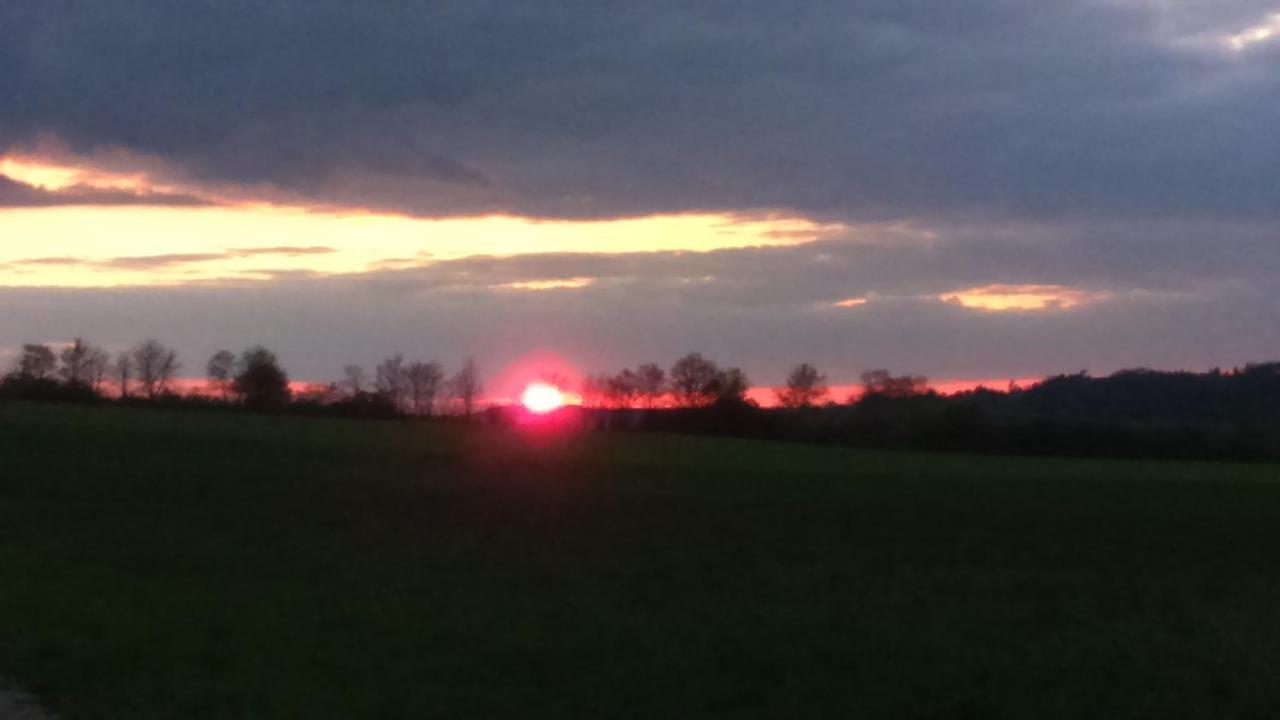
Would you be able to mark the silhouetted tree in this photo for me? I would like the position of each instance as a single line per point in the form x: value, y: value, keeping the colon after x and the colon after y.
x: 805, y: 387
x: 693, y: 380
x: 467, y: 387
x: 622, y: 389
x: 595, y: 390
x: 318, y: 395
x: 260, y: 381
x: 353, y: 379
x: 220, y: 369
x: 651, y: 382
x: 880, y: 382
x: 156, y: 367
x: 729, y: 385
x: 390, y: 380
x: 97, y: 365
x: 423, y: 380
x: 123, y: 371
x: 37, y: 362
x: 84, y: 364
x: 75, y: 362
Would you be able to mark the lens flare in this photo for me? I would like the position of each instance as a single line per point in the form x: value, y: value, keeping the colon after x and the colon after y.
x: 542, y: 398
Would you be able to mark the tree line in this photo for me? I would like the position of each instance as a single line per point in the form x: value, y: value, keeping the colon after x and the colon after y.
x: 83, y: 368
x: 1221, y: 414
x: 1231, y: 414
x: 255, y: 379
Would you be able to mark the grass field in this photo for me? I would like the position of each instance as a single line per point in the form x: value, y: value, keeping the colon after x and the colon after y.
x: 180, y: 565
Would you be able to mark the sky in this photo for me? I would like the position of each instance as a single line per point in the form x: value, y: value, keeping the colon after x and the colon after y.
x: 983, y: 189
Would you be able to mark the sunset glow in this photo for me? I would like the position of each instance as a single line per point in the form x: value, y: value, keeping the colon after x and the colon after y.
x: 1003, y: 298
x: 851, y: 302
x: 542, y: 398
x: 562, y: 283
x: 153, y: 246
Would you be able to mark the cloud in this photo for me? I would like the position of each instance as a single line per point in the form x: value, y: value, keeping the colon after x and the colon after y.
x: 320, y: 324
x: 868, y: 109
x: 1084, y: 261
x: 1020, y: 298
x: 762, y: 308
x: 157, y: 262
x: 15, y: 194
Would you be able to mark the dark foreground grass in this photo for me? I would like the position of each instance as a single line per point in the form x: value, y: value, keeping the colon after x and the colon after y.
x: 168, y: 565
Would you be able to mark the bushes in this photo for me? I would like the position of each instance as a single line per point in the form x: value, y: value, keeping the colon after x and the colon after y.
x: 18, y: 387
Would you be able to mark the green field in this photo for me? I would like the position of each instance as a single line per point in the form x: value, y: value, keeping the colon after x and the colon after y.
x: 160, y: 564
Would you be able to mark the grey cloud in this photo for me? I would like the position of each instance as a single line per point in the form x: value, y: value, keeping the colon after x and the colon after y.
x: 319, y: 324
x: 155, y: 262
x: 874, y: 108
x: 1157, y: 257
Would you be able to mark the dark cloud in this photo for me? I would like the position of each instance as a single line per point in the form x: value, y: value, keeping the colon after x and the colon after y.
x: 872, y: 108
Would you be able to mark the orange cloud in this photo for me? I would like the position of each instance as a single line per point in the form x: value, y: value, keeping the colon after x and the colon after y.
x: 1013, y: 298
x: 556, y: 284
x: 134, y: 241
x: 218, y: 242
x: 851, y: 302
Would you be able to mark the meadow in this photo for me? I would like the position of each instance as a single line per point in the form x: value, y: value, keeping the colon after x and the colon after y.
x: 168, y: 564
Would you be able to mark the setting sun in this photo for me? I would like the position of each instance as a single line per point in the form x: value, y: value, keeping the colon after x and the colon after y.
x: 542, y: 398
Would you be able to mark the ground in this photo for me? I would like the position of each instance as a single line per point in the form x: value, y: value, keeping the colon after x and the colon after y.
x: 164, y: 564
x: 17, y: 705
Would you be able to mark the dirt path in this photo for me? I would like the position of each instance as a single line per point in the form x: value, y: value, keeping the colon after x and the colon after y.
x: 17, y: 705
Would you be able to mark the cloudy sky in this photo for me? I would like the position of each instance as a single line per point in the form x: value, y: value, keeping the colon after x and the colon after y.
x: 976, y: 189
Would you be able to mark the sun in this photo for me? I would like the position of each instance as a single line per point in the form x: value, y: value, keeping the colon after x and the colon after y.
x: 542, y: 398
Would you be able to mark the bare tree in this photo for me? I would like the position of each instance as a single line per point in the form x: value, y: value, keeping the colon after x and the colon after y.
x: 390, y: 380
x: 37, y: 362
x: 622, y: 389
x: 124, y: 372
x: 220, y: 369
x: 467, y: 387
x: 423, y: 380
x: 595, y: 390
x: 805, y: 387
x: 693, y: 380
x: 75, y: 360
x: 84, y: 364
x: 353, y: 379
x: 156, y: 365
x: 651, y: 383
x: 880, y: 382
x: 97, y: 364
